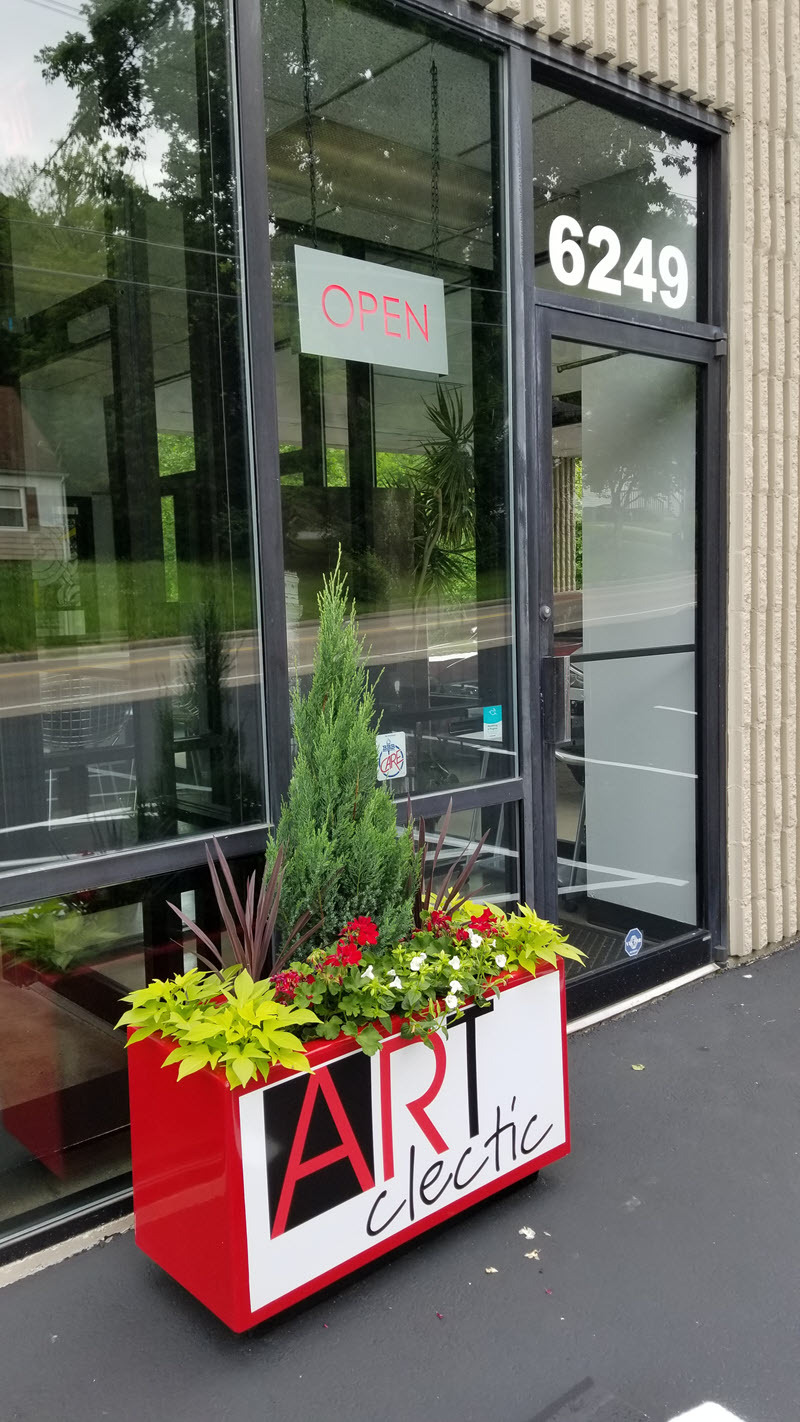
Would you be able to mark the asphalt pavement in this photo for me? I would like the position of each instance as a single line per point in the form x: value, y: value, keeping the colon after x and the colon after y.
x: 668, y: 1273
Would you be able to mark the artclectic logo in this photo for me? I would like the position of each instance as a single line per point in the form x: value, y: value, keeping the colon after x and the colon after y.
x: 320, y: 1149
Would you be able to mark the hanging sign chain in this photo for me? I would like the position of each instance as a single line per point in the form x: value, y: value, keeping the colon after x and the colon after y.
x: 434, y: 166
x: 309, y: 121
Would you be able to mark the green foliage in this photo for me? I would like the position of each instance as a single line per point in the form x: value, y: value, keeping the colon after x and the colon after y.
x: 337, y: 828
x: 427, y: 980
x: 229, y: 1021
x: 53, y: 936
x: 529, y: 940
x: 226, y: 1019
x: 444, y: 484
x: 176, y: 453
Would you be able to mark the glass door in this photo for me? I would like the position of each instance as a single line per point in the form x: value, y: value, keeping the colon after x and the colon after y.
x: 621, y: 765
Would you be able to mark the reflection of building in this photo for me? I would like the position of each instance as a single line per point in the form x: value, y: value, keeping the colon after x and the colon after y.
x: 34, y: 528
x: 536, y: 538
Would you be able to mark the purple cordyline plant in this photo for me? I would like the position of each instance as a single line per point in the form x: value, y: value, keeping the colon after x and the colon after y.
x: 448, y: 897
x: 250, y: 925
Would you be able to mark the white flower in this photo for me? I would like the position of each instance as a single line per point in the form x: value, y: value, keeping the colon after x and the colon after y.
x: 474, y: 939
x: 501, y: 960
x: 451, y: 1001
x: 368, y: 975
x: 455, y: 962
x: 455, y: 986
x: 417, y: 962
x: 396, y: 984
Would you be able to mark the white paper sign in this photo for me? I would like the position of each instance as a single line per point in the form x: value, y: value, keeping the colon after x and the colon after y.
x: 365, y: 311
x: 367, y: 1148
x: 392, y: 763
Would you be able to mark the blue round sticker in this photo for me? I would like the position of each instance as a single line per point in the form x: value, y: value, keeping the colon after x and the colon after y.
x: 634, y: 939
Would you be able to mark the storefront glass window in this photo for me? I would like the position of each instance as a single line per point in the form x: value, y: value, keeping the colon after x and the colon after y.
x: 130, y: 686
x: 615, y: 205
x: 382, y: 148
x: 64, y: 964
x: 495, y: 876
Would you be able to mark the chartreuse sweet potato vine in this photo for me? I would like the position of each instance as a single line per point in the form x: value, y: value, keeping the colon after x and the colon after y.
x: 225, y: 1020
x: 355, y: 990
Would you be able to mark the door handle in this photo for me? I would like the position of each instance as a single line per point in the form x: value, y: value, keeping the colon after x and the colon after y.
x: 558, y: 702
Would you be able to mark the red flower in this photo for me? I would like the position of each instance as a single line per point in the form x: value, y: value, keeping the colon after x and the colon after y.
x: 349, y: 953
x: 362, y: 929
x: 287, y: 983
x: 483, y: 923
x: 462, y: 935
x: 439, y: 922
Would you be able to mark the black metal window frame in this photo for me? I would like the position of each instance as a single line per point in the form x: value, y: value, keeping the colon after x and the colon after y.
x: 535, y: 314
x: 523, y: 56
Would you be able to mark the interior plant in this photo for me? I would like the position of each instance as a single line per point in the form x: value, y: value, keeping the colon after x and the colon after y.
x: 53, y: 935
x: 338, y: 827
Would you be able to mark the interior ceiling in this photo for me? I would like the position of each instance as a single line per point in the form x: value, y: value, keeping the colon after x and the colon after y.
x: 372, y: 121
x: 576, y: 144
x: 371, y: 74
x: 359, y: 172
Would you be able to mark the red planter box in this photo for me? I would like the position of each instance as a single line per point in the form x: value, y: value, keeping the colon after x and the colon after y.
x: 253, y: 1199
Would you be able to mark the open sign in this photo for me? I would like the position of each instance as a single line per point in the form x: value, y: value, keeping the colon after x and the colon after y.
x: 365, y: 311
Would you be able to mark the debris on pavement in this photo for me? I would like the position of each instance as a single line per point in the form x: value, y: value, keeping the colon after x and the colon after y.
x: 527, y: 1232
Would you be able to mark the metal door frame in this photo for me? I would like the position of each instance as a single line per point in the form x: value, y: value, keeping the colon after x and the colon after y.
x: 704, y: 351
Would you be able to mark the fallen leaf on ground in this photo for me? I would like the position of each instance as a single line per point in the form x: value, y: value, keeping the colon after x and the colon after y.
x: 527, y: 1232
x: 534, y: 1254
x: 637, y: 1066
x: 490, y: 1271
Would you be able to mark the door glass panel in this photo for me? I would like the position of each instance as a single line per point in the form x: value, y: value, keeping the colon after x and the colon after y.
x: 495, y: 876
x: 384, y: 148
x: 615, y: 207
x: 624, y: 569
x: 130, y: 680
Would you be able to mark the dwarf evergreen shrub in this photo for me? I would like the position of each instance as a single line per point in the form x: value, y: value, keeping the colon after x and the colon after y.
x: 337, y: 827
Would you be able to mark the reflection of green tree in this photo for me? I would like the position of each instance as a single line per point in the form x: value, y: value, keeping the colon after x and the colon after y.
x: 151, y: 84
x: 135, y: 72
x: 620, y: 148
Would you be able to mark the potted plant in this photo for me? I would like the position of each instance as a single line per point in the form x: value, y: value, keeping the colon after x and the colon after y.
x: 303, y: 1109
x: 57, y: 948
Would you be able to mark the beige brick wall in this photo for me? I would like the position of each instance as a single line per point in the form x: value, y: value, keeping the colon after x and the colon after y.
x: 742, y: 59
